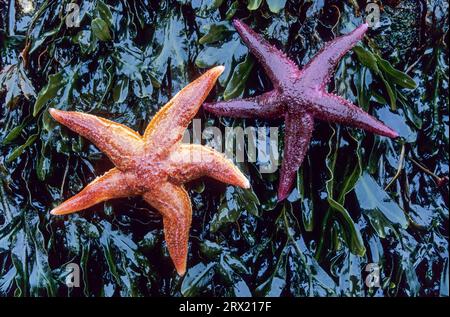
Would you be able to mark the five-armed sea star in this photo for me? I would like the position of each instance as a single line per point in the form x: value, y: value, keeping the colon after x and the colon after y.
x: 154, y: 165
x: 299, y: 96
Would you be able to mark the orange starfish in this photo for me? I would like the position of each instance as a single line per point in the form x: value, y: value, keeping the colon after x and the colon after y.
x: 154, y: 165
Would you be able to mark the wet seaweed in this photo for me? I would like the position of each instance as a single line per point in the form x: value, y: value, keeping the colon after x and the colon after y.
x: 387, y: 205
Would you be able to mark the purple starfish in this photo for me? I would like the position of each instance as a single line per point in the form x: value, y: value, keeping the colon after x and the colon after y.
x: 300, y: 96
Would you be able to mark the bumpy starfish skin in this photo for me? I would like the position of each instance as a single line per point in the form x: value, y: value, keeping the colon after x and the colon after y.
x: 154, y: 165
x: 299, y: 96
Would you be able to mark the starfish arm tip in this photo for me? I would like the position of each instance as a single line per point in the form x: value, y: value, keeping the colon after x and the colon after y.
x: 212, y: 107
x: 171, y: 121
x: 297, y: 137
x: 55, y: 113
x: 207, y: 105
x: 236, y: 22
x: 173, y: 202
x: 282, y: 194
x: 381, y: 129
x: 394, y: 134
x: 54, y: 212
x: 181, y: 269
x: 219, y: 69
x: 58, y: 211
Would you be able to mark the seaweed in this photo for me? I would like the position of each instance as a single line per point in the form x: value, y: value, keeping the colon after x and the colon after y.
x: 385, y: 207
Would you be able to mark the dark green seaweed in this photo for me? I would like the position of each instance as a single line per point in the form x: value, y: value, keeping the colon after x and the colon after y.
x: 359, y: 198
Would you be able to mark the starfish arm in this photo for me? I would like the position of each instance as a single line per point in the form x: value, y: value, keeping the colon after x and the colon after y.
x: 172, y: 201
x: 169, y: 124
x: 113, y: 184
x: 333, y: 108
x: 319, y: 70
x: 191, y: 161
x: 278, y: 66
x: 265, y: 106
x: 117, y: 141
x: 298, y: 131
